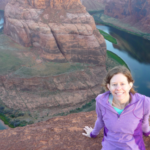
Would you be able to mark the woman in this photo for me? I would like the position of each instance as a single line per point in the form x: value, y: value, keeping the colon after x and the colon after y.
x: 123, y: 113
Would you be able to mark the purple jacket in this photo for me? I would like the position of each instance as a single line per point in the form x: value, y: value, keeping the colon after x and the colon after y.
x: 125, y: 131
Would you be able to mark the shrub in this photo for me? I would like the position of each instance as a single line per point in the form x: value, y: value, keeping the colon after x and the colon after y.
x: 21, y: 114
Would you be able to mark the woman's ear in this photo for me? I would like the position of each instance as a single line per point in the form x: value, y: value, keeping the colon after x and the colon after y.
x: 108, y: 86
x: 131, y: 84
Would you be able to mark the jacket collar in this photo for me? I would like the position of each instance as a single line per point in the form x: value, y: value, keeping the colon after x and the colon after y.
x: 103, y: 98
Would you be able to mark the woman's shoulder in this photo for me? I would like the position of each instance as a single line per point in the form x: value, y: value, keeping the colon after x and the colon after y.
x: 146, y: 102
x: 141, y: 97
x: 102, y: 96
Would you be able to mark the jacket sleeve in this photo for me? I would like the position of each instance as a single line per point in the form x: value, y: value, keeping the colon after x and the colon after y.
x: 146, y: 111
x: 99, y: 124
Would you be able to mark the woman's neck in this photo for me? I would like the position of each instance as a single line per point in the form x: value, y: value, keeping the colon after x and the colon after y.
x: 121, y: 105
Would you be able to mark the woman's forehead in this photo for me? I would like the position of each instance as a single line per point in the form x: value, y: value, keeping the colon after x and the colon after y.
x: 118, y: 77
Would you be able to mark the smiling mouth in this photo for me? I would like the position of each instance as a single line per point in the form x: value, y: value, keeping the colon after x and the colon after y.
x: 118, y: 94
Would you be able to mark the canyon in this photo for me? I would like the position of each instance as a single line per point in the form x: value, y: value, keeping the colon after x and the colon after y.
x: 134, y: 12
x: 48, y: 66
x: 130, y: 15
x: 52, y: 59
x: 63, y: 30
x: 92, y: 5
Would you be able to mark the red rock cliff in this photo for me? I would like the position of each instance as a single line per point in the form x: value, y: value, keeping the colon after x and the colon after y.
x: 61, y: 33
x: 94, y: 4
x: 3, y: 4
x: 134, y: 12
x: 61, y: 28
x: 118, y: 9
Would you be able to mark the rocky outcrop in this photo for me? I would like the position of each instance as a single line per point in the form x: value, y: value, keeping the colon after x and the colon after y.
x: 131, y: 15
x: 63, y: 64
x: 134, y: 12
x: 41, y: 89
x: 57, y: 133
x: 3, y: 4
x: 94, y: 4
x: 118, y: 9
x: 62, y: 29
x: 47, y: 96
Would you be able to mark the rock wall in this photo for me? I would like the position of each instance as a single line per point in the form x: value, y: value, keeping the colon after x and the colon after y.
x: 133, y: 12
x: 94, y: 4
x: 57, y: 133
x: 3, y: 4
x: 61, y: 32
x: 54, y: 94
x: 121, y: 9
x: 118, y: 9
x: 62, y: 29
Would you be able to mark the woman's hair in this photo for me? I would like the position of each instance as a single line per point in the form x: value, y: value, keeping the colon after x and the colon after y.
x: 117, y: 70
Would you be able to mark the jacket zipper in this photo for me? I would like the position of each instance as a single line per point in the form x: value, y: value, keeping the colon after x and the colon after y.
x: 122, y: 111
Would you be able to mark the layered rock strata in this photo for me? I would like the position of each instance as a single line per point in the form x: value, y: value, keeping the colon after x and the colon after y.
x: 54, y: 94
x: 3, y: 4
x: 118, y: 9
x: 134, y: 12
x: 57, y: 133
x: 61, y: 32
x: 94, y: 4
x: 62, y: 29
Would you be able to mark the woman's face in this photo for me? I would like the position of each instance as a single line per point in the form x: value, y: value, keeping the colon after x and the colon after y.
x: 120, y: 87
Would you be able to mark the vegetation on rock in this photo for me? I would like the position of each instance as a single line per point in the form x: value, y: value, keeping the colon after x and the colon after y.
x: 108, y: 37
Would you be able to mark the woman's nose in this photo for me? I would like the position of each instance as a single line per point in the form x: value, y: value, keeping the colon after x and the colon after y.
x: 118, y: 86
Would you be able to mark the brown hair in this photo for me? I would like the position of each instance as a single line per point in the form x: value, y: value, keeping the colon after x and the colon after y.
x: 116, y: 70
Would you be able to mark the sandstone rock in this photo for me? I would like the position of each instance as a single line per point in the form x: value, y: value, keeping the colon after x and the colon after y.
x: 63, y: 64
x: 133, y: 12
x: 63, y: 133
x: 61, y: 93
x: 66, y: 4
x: 94, y: 4
x: 118, y: 9
x: 3, y: 4
x: 61, y: 28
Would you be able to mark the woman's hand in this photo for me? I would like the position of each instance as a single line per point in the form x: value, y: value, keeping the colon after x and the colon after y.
x: 88, y: 130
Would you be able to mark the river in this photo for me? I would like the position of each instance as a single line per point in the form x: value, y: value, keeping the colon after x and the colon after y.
x: 1, y: 19
x: 135, y: 51
x: 1, y: 23
x: 3, y: 126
